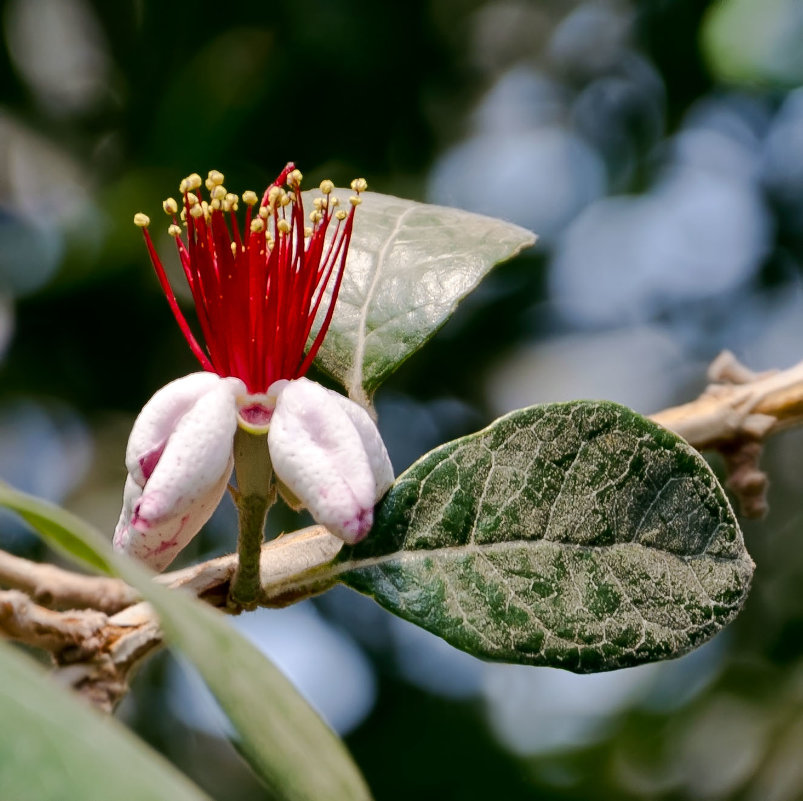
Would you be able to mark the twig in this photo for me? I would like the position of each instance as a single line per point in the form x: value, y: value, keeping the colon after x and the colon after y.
x: 96, y: 653
x: 93, y: 653
x: 61, y: 589
x: 23, y: 620
x: 738, y: 405
x: 281, y: 563
x: 734, y: 416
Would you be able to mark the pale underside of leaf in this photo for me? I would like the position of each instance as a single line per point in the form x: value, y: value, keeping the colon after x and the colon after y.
x: 409, y: 266
x: 574, y: 535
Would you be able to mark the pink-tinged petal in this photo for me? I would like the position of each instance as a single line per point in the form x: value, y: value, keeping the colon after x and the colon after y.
x: 131, y: 495
x: 195, y: 456
x: 157, y: 546
x: 158, y: 419
x: 179, y: 459
x: 319, y: 455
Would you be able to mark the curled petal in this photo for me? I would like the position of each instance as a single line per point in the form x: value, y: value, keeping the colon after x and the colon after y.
x: 375, y: 449
x: 195, y: 455
x: 158, y: 419
x: 179, y: 459
x: 319, y: 453
x: 159, y: 545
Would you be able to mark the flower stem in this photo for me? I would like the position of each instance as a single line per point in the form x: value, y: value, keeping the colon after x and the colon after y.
x: 254, y: 496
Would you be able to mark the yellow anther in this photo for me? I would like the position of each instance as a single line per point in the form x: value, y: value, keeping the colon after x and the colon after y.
x: 273, y: 194
x: 264, y: 212
x: 216, y: 177
x: 355, y: 201
x: 192, y: 198
x: 315, y: 216
x: 249, y: 197
x: 233, y: 248
x: 359, y: 185
x: 197, y: 211
x: 174, y: 230
x: 141, y: 220
x: 183, y: 215
x: 334, y: 201
x: 257, y: 225
x: 294, y: 178
x: 291, y: 197
x: 327, y: 186
x: 285, y: 199
x: 283, y: 227
x: 231, y: 197
x: 170, y: 206
x: 215, y: 204
x: 183, y: 187
x: 219, y: 192
x: 318, y: 202
x: 194, y: 181
x: 340, y: 214
x: 307, y: 232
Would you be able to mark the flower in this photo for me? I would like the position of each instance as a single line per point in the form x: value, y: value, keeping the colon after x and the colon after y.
x: 257, y: 294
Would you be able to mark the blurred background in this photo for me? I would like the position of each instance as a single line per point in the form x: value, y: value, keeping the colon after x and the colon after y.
x: 656, y: 147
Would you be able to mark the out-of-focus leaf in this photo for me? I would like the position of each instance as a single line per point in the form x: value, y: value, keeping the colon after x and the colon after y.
x: 54, y: 747
x: 751, y: 43
x: 409, y: 266
x: 54, y: 524
x: 279, y: 733
x: 576, y: 535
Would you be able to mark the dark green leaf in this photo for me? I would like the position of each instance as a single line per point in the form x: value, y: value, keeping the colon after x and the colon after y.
x: 279, y: 733
x: 576, y: 535
x: 54, y: 747
x: 409, y: 266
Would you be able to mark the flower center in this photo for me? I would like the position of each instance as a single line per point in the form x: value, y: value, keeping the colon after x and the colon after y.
x: 258, y: 289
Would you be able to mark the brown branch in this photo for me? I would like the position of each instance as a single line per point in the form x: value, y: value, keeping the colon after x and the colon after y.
x: 23, y: 620
x: 734, y: 415
x: 738, y: 405
x: 56, y: 588
x: 95, y: 652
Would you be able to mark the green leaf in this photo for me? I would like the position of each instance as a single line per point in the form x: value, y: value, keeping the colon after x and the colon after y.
x: 282, y: 737
x: 54, y: 525
x: 55, y: 747
x: 576, y: 535
x: 409, y: 266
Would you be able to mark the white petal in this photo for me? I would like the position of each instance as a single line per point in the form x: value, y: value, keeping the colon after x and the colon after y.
x: 159, y: 545
x: 195, y: 456
x: 318, y: 452
x: 372, y: 442
x: 179, y: 459
x: 159, y: 417
x: 131, y: 495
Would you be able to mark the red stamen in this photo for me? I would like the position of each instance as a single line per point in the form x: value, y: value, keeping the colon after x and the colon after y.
x: 256, y: 298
